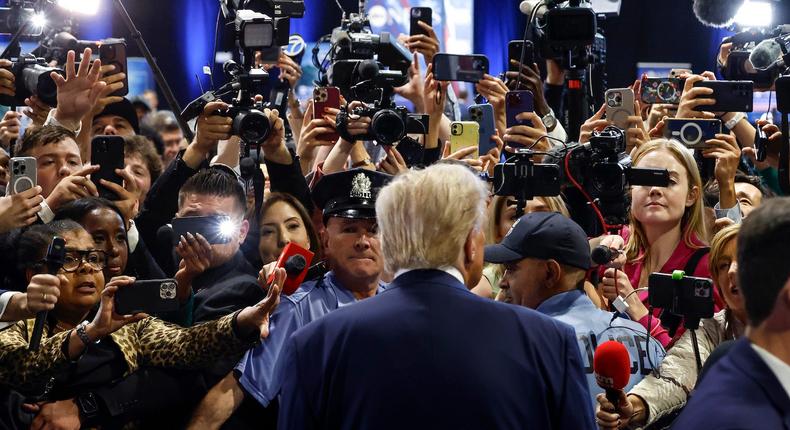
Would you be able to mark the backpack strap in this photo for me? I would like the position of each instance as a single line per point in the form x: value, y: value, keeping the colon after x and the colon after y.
x: 691, y: 265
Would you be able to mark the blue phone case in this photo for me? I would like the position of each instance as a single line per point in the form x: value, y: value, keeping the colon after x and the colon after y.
x: 517, y: 102
x: 483, y: 114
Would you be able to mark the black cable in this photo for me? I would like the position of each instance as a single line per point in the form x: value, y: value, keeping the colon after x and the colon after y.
x: 213, y: 60
x: 696, y: 351
x: 532, y: 16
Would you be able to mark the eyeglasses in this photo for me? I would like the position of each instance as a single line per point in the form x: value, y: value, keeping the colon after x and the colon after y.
x: 74, y: 258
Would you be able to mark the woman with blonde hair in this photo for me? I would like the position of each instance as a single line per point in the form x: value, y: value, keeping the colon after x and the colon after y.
x: 666, y: 232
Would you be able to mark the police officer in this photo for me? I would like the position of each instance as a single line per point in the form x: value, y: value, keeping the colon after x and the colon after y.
x: 546, y: 257
x: 353, y: 255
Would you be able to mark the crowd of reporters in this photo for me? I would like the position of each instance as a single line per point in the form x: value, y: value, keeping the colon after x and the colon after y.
x: 230, y: 353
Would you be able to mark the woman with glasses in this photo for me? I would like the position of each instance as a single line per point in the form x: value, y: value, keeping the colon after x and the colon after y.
x: 78, y: 358
x: 105, y: 223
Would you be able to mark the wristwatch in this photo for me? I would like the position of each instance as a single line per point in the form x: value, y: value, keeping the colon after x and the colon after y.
x: 88, y: 406
x: 549, y: 120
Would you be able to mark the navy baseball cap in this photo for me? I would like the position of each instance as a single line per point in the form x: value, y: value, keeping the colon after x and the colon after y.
x: 543, y: 235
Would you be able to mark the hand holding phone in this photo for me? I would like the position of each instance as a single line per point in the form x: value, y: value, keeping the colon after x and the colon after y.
x: 619, y: 106
x: 147, y: 296
x: 108, y: 153
x: 464, y: 134
x: 417, y: 15
x: 23, y: 175
x: 483, y: 115
x: 325, y: 98
x: 465, y: 68
x: 517, y: 102
x: 217, y: 229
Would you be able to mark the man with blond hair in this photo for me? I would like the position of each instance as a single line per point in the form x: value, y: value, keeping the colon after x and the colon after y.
x: 421, y: 354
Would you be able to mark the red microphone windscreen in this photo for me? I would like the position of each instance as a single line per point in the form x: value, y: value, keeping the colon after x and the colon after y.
x: 612, y: 365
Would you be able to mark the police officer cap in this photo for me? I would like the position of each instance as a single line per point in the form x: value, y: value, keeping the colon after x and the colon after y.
x: 543, y: 235
x: 349, y: 194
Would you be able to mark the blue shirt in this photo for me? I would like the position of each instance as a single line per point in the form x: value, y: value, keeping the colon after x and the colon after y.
x: 258, y: 368
x: 593, y: 327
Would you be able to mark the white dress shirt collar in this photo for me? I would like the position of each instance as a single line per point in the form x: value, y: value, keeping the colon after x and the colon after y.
x: 450, y: 270
x: 779, y: 368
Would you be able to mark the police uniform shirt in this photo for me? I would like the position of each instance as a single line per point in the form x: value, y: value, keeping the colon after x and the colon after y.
x: 312, y: 300
x: 592, y: 327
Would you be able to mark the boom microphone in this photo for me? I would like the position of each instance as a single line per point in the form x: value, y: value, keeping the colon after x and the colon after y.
x: 765, y: 54
x: 717, y: 13
x: 612, y: 366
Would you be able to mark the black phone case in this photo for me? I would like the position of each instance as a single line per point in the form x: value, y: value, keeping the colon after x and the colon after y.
x: 424, y: 14
x: 514, y: 53
x: 731, y: 96
x: 151, y: 296
x: 107, y: 152
x: 208, y: 227
x: 115, y: 53
x: 464, y: 68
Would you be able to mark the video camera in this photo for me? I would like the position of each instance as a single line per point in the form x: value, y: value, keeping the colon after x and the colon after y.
x: 682, y: 298
x: 357, y: 54
x: 603, y: 169
x: 32, y: 78
x: 757, y: 55
x: 568, y: 33
x: 249, y: 121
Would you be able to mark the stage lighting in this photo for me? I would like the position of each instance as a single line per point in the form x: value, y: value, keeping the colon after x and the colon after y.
x: 754, y: 14
x: 82, y: 7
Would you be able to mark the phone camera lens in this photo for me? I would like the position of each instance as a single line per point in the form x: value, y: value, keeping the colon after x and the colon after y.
x: 22, y: 168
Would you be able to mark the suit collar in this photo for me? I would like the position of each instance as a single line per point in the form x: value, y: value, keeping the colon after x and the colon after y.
x: 752, y: 365
x: 423, y: 276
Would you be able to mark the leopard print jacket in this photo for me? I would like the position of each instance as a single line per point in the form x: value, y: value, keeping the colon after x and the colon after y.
x: 149, y: 342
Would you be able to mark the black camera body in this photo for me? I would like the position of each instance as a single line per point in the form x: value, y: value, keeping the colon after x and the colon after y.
x: 388, y: 125
x: 603, y: 169
x: 249, y: 121
x: 681, y: 297
x: 570, y: 36
x: 32, y: 78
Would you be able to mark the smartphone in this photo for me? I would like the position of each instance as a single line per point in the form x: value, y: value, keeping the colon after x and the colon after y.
x: 411, y: 150
x: 217, y: 229
x: 23, y: 175
x: 417, y: 14
x: 113, y: 51
x: 692, y: 133
x: 107, y: 153
x: 517, y: 102
x: 465, y: 68
x: 464, y: 134
x: 269, y: 55
x: 688, y: 296
x: 514, y: 48
x: 662, y: 90
x: 731, y: 96
x: 619, y: 106
x: 326, y: 98
x: 483, y: 115
x: 149, y: 296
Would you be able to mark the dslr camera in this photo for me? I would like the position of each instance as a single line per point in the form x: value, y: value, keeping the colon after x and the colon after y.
x: 388, y: 125
x: 32, y: 78
x: 249, y: 121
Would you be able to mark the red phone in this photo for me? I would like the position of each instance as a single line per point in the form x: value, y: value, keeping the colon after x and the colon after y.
x: 326, y: 98
x: 296, y: 261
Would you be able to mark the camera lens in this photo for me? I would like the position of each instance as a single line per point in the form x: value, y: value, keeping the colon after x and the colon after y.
x: 666, y: 91
x: 252, y: 126
x: 690, y: 134
x: 388, y: 127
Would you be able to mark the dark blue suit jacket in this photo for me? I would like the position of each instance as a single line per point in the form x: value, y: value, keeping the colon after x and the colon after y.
x: 739, y: 392
x: 427, y: 353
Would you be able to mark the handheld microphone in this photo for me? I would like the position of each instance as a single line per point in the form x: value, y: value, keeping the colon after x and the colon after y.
x: 612, y: 366
x: 602, y: 254
x: 296, y: 261
x: 56, y: 254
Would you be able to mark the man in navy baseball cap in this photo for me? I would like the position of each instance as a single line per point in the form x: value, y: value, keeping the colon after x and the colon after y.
x: 546, y: 256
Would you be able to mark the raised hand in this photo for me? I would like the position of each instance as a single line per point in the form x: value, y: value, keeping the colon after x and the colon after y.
x: 79, y: 91
x: 73, y: 187
x: 107, y: 320
x: 594, y: 123
x: 19, y: 210
x: 36, y: 110
x: 9, y: 128
x: 257, y: 317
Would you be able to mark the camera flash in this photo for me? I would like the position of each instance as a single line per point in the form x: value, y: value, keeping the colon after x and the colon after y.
x: 227, y: 228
